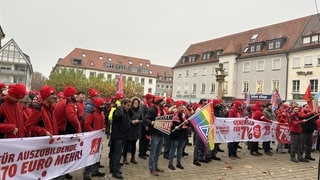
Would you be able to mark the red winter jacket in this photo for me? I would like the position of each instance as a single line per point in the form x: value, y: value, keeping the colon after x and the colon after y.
x: 94, y: 121
x: 14, y: 118
x: 295, y: 124
x: 41, y: 120
x: 258, y: 115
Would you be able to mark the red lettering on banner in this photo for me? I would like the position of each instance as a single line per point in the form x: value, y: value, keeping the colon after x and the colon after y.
x: 246, y: 131
x: 34, y: 165
x: 9, y: 171
x: 257, y: 131
x: 243, y: 122
x: 7, y: 158
x: 66, y: 158
x: 283, y: 134
x: 267, y: 128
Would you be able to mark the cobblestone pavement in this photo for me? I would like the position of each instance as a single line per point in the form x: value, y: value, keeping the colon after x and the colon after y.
x: 263, y: 167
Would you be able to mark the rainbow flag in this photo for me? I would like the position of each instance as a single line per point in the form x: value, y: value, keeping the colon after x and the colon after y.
x: 203, y: 123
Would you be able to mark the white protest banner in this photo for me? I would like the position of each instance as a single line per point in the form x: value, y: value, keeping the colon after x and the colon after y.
x: 241, y: 129
x: 46, y: 158
x: 163, y: 123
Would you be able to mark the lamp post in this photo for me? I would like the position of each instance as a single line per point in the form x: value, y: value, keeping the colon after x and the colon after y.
x: 220, y: 75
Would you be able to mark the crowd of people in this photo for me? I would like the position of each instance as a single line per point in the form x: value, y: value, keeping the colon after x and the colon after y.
x: 129, y: 123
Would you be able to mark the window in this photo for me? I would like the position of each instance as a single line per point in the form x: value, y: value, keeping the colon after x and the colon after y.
x: 270, y: 46
x: 100, y: 57
x: 186, y: 87
x: 136, y: 79
x: 314, y: 85
x: 150, y: 81
x: 296, y: 62
x: 277, y: 44
x: 213, y: 88
x: 259, y: 86
x: 142, y: 81
x: 130, y: 62
x: 76, y: 61
x: 246, y: 67
x: 204, y: 71
x: 84, y: 55
x: 308, y: 61
x: 276, y: 64
x: 315, y: 38
x: 101, y: 75
x: 245, y: 86
x: 109, y: 76
x: 158, y: 85
x: 295, y: 86
x: 179, y: 74
x: 183, y: 60
x: 206, y: 55
x: 194, y: 88
x: 203, y: 88
x: 109, y: 66
x: 260, y: 65
x: 306, y: 40
x: 162, y: 86
x: 179, y: 87
x: 130, y: 78
x: 92, y: 74
x: 144, y: 71
x: 149, y: 90
x: 225, y: 87
x: 91, y: 63
x: 252, y: 48
x: 258, y: 47
x: 275, y: 84
x: 187, y: 72
x: 133, y: 69
x: 195, y: 72
x: 167, y: 86
x: 109, y: 59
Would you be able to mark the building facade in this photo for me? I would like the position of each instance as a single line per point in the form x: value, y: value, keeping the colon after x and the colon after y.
x: 110, y: 66
x: 256, y: 62
x: 15, y: 66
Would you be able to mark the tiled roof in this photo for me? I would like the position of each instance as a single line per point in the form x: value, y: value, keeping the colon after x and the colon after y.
x: 163, y: 71
x: 290, y: 31
x: 96, y: 60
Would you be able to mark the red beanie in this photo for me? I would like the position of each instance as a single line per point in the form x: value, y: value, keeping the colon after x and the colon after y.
x: 69, y: 91
x: 216, y: 102
x: 17, y: 91
x: 46, y: 91
x: 98, y: 102
x: 149, y: 96
x: 2, y: 86
x: 158, y: 99
x: 119, y: 95
x: 93, y: 92
x: 169, y: 100
x: 237, y: 103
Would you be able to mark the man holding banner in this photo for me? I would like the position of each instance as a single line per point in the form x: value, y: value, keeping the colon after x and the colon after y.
x: 156, y: 135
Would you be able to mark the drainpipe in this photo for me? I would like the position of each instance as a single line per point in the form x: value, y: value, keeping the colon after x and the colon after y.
x: 287, y: 73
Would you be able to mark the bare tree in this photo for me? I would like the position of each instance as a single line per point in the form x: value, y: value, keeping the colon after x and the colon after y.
x: 37, y: 81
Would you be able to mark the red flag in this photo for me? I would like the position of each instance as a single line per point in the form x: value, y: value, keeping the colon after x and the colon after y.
x: 120, y: 84
x: 308, y: 97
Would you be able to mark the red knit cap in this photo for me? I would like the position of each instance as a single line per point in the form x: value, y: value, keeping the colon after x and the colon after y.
x: 46, y: 91
x: 17, y: 91
x: 149, y: 96
x: 158, y: 99
x: 2, y: 86
x: 169, y: 100
x: 119, y: 95
x: 69, y: 91
x: 237, y: 103
x: 98, y: 102
x: 216, y: 102
x: 93, y: 93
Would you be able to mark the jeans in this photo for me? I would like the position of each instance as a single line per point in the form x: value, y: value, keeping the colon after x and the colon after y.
x: 266, y: 146
x: 295, y: 146
x: 156, y: 147
x: 176, y: 145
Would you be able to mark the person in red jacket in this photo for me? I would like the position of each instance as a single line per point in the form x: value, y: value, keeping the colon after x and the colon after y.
x: 95, y: 121
x: 295, y: 132
x: 41, y: 121
x: 66, y: 112
x: 12, y: 113
x: 236, y: 111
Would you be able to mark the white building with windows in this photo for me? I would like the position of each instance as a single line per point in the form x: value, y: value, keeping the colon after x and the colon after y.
x: 283, y: 56
x: 110, y: 66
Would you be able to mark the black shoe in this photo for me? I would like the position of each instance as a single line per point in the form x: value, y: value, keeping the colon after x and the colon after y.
x: 220, y: 150
x: 303, y: 160
x: 117, y: 176
x: 294, y: 160
x: 171, y: 167
x: 185, y: 154
x: 310, y: 158
x: 216, y: 158
x: 254, y: 154
x: 180, y: 166
x: 268, y: 153
x: 87, y: 178
x: 98, y: 174
x: 197, y: 163
x: 142, y: 157
x: 67, y: 176
x: 204, y: 160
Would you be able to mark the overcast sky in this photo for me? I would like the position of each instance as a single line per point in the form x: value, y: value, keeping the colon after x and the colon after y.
x: 158, y: 30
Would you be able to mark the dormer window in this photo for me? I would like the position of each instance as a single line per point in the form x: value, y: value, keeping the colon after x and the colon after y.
x: 91, y: 63
x: 192, y: 58
x: 100, y: 57
x: 147, y: 64
x: 206, y: 55
x: 276, y: 43
x: 84, y: 55
x: 310, y: 39
x: 109, y: 59
x: 140, y: 64
x: 77, y: 62
x: 183, y: 59
x: 130, y: 62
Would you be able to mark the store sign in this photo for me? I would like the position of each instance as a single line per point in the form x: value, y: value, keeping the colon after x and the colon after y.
x: 260, y: 96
